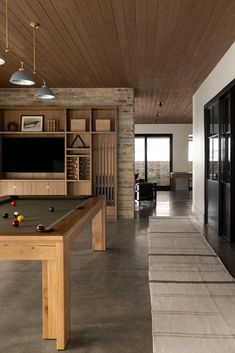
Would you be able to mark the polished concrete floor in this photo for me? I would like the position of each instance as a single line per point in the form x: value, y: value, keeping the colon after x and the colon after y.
x: 110, y: 303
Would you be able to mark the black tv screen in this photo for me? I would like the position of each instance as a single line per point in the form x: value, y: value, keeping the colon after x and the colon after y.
x: 33, y: 154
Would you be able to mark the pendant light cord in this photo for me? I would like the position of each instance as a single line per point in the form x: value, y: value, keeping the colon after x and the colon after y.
x: 7, y: 30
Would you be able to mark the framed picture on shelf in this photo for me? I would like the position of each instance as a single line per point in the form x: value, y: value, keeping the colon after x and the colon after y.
x: 31, y: 123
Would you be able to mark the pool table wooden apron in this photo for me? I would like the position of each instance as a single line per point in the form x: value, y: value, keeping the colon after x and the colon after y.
x: 53, y: 250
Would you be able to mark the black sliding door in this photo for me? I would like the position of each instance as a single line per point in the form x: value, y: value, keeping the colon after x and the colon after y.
x: 219, y: 158
x: 212, y: 165
x: 225, y: 160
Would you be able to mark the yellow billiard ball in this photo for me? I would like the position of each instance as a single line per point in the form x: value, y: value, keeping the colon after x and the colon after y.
x: 20, y: 218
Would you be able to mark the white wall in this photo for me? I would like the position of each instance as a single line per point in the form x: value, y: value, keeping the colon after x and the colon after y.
x: 180, y: 141
x: 222, y: 75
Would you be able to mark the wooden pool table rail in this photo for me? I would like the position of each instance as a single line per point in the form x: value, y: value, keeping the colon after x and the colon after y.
x: 53, y: 250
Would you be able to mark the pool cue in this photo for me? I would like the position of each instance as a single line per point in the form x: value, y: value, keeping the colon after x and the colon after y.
x: 111, y: 163
x: 99, y: 168
x: 105, y: 163
x: 102, y: 169
x: 104, y: 190
x: 110, y: 181
x: 94, y: 171
x: 108, y: 174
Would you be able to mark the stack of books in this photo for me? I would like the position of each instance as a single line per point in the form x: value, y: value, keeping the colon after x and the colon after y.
x: 52, y: 125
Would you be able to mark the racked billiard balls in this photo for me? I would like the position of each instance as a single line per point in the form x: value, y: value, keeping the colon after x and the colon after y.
x: 40, y: 227
x: 13, y: 203
x: 16, y: 214
x: 51, y: 209
x: 20, y: 218
x: 5, y: 215
x: 15, y: 223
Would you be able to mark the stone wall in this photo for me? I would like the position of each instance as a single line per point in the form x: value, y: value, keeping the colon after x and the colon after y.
x: 123, y: 98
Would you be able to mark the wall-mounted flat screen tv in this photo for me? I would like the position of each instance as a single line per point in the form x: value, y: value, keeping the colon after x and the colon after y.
x: 33, y: 154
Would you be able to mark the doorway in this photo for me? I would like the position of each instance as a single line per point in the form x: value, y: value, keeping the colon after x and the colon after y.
x: 153, y: 159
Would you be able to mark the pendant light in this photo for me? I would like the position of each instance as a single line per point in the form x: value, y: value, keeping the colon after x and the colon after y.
x: 2, y: 60
x: 22, y: 77
x: 44, y: 92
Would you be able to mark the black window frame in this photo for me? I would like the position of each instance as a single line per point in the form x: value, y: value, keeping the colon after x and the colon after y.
x: 146, y: 136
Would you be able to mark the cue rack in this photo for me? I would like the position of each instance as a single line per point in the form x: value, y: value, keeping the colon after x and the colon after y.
x: 104, y: 166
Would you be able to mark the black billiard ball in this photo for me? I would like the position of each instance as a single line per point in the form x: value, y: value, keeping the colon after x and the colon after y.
x: 51, y: 209
x: 13, y: 203
x: 5, y: 215
x: 40, y: 228
x: 15, y: 223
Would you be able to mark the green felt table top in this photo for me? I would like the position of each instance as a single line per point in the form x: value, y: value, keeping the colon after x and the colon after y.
x: 36, y: 211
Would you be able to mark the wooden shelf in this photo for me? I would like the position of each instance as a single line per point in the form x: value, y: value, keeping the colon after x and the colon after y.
x: 103, y: 132
x: 76, y: 181
x: 77, y: 132
x: 77, y: 148
x: 93, y: 167
x: 60, y: 133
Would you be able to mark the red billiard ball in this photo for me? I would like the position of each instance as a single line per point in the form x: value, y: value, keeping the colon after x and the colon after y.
x: 15, y: 223
x: 40, y: 227
x: 13, y: 203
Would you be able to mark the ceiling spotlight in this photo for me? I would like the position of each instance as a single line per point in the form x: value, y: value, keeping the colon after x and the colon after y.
x: 156, y: 116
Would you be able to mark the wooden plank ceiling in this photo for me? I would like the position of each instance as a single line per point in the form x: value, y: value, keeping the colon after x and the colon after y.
x: 162, y: 48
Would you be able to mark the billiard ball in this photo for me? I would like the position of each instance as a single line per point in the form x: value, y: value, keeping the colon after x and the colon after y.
x: 15, y: 223
x: 20, y: 218
x: 13, y: 203
x: 40, y: 228
x: 51, y: 209
x: 16, y: 214
x: 5, y: 215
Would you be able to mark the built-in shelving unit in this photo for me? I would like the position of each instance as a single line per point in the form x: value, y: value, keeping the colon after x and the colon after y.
x: 90, y: 145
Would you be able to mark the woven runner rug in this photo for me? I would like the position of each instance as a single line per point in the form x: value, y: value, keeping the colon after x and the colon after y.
x: 192, y: 294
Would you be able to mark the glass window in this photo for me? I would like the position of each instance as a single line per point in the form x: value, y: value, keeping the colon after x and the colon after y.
x: 158, y: 149
x: 158, y: 160
x: 157, y: 166
x: 139, y: 158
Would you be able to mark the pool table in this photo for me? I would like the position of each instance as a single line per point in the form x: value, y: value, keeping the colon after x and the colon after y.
x: 70, y: 216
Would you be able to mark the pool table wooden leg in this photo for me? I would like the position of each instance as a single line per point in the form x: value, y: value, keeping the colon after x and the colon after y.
x: 55, y: 297
x: 99, y: 229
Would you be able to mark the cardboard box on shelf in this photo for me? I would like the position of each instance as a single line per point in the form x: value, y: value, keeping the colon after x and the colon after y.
x: 102, y: 125
x: 78, y: 124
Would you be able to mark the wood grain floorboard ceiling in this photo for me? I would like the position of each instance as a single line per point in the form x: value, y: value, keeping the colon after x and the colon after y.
x: 162, y: 48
